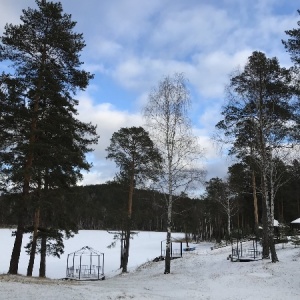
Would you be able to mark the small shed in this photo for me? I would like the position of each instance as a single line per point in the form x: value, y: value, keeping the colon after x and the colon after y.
x: 275, y: 224
x: 296, y: 223
x: 85, y: 264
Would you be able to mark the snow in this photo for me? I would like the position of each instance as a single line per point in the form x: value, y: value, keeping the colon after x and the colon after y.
x: 297, y: 221
x: 200, y: 274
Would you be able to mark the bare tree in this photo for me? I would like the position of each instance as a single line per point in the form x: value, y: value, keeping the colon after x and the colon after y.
x: 167, y: 119
x: 219, y: 191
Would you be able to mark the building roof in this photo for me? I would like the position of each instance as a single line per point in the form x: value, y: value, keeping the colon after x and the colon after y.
x: 297, y: 221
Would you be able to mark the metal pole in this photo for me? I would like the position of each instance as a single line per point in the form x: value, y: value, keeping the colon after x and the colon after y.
x: 98, y: 266
x: 67, y: 273
x: 121, y: 256
x: 79, y: 267
x: 73, y: 262
x: 241, y: 249
x: 103, y: 265
x: 91, y: 261
x: 180, y: 249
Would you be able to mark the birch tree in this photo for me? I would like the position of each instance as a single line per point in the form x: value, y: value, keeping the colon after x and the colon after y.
x: 167, y: 119
x: 218, y: 190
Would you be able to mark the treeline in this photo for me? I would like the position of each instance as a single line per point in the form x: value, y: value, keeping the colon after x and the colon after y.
x: 104, y: 207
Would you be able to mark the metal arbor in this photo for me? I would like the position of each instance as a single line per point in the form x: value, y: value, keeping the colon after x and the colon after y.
x: 244, y: 251
x: 85, y: 264
x: 175, y: 249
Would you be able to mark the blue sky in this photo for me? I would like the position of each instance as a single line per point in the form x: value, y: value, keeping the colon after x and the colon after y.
x: 133, y: 44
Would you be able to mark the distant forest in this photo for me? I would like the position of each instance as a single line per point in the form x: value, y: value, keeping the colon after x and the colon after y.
x: 104, y: 207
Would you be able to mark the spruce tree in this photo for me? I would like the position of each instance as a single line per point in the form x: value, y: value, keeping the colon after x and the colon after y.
x: 45, y: 144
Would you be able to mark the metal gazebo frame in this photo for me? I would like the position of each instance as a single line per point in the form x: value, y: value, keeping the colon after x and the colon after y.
x: 174, y: 253
x: 85, y: 264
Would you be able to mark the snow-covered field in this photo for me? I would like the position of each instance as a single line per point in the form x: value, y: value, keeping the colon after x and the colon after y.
x: 200, y: 274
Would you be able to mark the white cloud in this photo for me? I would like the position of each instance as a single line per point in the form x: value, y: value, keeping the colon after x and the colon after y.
x: 213, y: 70
x: 105, y: 49
x: 133, y: 44
x: 10, y: 12
x: 183, y: 29
x: 208, y: 72
x: 108, y: 120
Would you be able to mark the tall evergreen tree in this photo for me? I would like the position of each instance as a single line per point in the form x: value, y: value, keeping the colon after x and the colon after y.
x: 139, y: 161
x: 292, y: 45
x: 48, y: 144
x: 261, y: 96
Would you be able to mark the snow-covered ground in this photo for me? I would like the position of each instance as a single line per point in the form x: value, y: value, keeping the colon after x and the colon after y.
x: 200, y: 274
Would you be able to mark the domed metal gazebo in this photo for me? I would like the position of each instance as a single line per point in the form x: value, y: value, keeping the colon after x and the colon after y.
x: 85, y: 264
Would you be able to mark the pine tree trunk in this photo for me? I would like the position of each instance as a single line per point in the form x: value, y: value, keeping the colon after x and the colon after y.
x: 271, y: 219
x: 128, y: 226
x: 126, y: 247
x: 42, y: 271
x: 34, y: 242
x: 265, y: 238
x: 255, y: 203
x: 186, y: 235
x: 14, y: 262
x: 265, y: 197
x: 15, y: 256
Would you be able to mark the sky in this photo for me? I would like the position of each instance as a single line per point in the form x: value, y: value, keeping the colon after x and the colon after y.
x: 131, y: 45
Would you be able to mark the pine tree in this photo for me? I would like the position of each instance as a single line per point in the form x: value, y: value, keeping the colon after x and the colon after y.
x: 48, y: 144
x: 139, y: 161
x: 261, y: 102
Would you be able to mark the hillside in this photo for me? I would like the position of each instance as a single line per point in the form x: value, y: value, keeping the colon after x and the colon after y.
x: 201, y: 274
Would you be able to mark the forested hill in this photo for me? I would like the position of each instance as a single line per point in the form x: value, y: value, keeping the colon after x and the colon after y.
x: 104, y: 206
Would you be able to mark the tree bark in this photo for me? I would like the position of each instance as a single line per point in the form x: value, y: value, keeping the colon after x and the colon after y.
x: 168, y: 240
x: 34, y: 242
x: 129, y: 221
x: 125, y: 253
x: 42, y: 271
x: 255, y: 203
x: 14, y: 262
x: 228, y: 225
x: 274, y: 256
x: 15, y: 256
